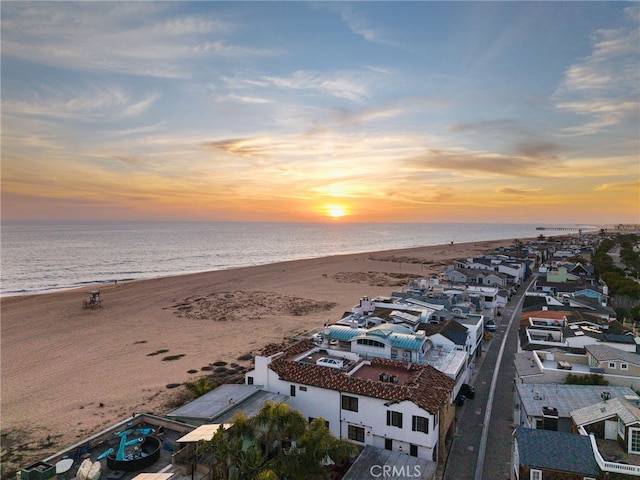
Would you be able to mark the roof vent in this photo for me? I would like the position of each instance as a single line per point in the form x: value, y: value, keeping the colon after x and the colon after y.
x: 605, y: 396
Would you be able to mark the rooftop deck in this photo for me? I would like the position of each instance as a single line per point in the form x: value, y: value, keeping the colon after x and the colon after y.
x: 611, y: 451
x: 95, y: 446
x: 576, y: 368
x: 375, y: 372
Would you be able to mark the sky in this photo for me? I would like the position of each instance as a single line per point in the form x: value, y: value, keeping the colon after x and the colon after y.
x: 495, y: 112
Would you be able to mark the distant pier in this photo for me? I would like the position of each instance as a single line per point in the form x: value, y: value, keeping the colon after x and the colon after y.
x: 577, y: 228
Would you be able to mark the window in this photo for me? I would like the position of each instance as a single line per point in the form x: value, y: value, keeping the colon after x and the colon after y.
x: 311, y: 419
x: 435, y: 419
x: 293, y: 390
x: 620, y: 428
x: 413, y: 450
x: 634, y: 440
x: 371, y: 343
x: 349, y: 403
x: 302, y: 389
x: 612, y: 365
x: 388, y: 444
x: 249, y: 380
x: 535, y: 474
x: 355, y: 433
x: 394, y: 418
x: 420, y: 424
x: 624, y: 366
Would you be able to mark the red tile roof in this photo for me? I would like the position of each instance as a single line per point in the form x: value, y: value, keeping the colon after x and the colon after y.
x: 426, y: 387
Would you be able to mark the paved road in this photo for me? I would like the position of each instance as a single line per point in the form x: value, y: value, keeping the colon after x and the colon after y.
x: 463, y: 460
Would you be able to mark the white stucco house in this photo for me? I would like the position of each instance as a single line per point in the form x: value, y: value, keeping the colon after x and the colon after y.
x: 393, y: 405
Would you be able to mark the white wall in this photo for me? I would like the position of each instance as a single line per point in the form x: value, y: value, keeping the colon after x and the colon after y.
x: 371, y: 415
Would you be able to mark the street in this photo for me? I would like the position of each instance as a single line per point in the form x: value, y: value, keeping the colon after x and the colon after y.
x: 480, y: 452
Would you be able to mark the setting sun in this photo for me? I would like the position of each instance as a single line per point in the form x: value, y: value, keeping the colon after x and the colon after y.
x: 335, y: 211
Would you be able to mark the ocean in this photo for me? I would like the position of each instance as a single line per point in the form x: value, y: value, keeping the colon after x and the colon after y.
x: 42, y: 257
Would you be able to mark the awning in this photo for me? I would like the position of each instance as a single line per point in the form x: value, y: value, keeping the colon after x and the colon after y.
x: 203, y: 432
x: 153, y: 476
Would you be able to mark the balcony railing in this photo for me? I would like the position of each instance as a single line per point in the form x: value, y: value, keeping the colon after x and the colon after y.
x: 611, y: 466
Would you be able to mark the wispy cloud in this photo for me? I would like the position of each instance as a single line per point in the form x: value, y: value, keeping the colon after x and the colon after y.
x: 604, y: 86
x: 97, y: 101
x: 348, y: 85
x: 608, y: 187
x: 136, y: 38
x: 358, y: 22
x: 518, y: 191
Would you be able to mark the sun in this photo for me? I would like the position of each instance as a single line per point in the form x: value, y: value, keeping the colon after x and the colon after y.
x: 335, y: 211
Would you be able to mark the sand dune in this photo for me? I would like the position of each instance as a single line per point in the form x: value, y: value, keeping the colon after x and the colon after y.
x: 68, y: 372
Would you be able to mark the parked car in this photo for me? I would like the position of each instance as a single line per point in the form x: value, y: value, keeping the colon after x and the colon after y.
x: 460, y: 400
x: 468, y: 391
x: 490, y: 326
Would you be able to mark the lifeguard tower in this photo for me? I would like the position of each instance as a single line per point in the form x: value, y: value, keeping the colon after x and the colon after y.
x: 93, y: 301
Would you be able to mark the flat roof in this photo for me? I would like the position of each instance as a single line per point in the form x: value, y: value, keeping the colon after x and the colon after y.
x: 405, y: 465
x: 216, y: 402
x: 96, y: 445
x: 565, y: 398
x: 252, y: 405
x: 373, y: 372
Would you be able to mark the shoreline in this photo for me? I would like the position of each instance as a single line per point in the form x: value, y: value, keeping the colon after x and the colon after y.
x: 88, y: 285
x: 69, y: 371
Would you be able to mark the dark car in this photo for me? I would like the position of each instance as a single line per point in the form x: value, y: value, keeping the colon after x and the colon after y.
x: 468, y: 391
x: 460, y: 400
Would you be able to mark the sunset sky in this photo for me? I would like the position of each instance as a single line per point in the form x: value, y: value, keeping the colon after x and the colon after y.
x: 304, y: 111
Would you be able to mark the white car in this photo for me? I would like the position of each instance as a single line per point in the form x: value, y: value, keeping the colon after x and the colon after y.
x: 490, y: 326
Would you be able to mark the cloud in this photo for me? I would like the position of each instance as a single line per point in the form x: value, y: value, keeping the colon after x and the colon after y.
x: 95, y: 102
x: 518, y: 191
x: 491, y: 164
x: 131, y: 38
x: 609, y: 187
x: 360, y: 24
x: 604, y: 85
x: 126, y: 159
x: 500, y: 126
x: 536, y: 148
x: 348, y: 85
x: 245, y: 99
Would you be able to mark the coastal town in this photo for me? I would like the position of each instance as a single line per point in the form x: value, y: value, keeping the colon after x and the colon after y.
x: 390, y: 388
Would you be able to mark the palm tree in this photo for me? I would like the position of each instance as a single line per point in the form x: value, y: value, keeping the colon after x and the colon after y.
x: 316, y: 444
x: 518, y: 245
x: 237, y: 452
x: 278, y: 422
x: 199, y: 387
x: 224, y: 450
x: 266, y: 475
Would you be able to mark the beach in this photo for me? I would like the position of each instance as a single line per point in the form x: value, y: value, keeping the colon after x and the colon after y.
x: 69, y: 371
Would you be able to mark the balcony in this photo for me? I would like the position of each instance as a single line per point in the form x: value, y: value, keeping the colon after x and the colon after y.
x: 614, y: 459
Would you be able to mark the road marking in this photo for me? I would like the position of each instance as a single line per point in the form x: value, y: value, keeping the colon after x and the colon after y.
x: 494, y: 380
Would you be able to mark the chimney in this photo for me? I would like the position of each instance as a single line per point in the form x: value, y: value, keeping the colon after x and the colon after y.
x: 550, y: 418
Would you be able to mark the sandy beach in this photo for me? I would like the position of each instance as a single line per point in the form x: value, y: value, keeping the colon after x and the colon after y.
x: 68, y: 372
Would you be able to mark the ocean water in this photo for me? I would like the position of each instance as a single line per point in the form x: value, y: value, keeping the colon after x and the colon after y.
x: 47, y: 256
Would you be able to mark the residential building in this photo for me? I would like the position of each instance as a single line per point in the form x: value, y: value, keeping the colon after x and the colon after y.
x: 545, y: 454
x: 553, y: 366
x: 384, y: 403
x: 613, y: 362
x: 559, y: 400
